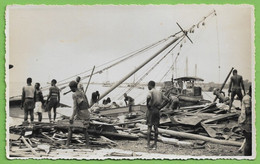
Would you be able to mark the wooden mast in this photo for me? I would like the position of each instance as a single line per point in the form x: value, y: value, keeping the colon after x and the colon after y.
x: 139, y: 67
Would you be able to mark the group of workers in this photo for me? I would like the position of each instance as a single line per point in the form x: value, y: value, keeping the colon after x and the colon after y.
x: 32, y: 98
x: 33, y: 101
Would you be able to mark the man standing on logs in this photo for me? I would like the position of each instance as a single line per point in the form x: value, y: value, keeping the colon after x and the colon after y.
x: 28, y: 100
x: 236, y: 82
x: 80, y: 111
x: 53, y: 99
x: 154, y: 104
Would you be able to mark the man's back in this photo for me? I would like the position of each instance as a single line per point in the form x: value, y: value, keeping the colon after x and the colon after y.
x: 54, y: 91
x: 236, y: 80
x: 80, y: 105
x: 156, y: 97
x: 28, y: 91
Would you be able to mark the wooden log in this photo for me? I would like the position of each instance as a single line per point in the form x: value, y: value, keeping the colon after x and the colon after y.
x: 192, y: 136
x: 174, y: 141
x: 108, y: 140
x: 113, y: 134
x: 171, y: 141
x: 29, y: 146
x: 131, y: 122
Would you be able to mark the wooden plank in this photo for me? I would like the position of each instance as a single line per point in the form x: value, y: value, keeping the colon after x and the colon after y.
x: 211, y: 132
x: 220, y: 117
x: 29, y: 146
x: 14, y: 137
x: 187, y: 120
x: 108, y: 140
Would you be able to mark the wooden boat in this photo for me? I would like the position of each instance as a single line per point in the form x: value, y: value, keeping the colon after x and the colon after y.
x: 189, y: 95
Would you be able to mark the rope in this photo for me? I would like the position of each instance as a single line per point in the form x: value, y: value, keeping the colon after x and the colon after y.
x: 218, y: 48
x: 128, y: 56
x: 139, y: 80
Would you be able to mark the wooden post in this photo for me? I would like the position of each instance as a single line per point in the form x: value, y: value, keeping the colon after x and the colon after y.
x: 89, y: 80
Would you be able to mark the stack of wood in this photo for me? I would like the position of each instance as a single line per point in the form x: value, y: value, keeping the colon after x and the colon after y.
x: 184, y: 127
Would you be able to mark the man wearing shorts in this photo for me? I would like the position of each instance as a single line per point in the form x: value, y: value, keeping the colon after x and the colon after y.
x: 28, y: 100
x: 39, y: 101
x: 236, y: 82
x: 80, y: 111
x: 53, y: 99
x: 154, y: 104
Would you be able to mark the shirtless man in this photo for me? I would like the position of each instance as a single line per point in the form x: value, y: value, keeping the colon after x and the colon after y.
x: 154, y: 104
x: 80, y: 111
x: 53, y: 99
x: 130, y: 101
x: 236, y: 82
x: 28, y: 100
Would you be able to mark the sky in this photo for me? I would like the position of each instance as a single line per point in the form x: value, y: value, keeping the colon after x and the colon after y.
x: 47, y: 42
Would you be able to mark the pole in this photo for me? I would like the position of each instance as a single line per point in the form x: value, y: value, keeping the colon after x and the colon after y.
x: 89, y: 80
x: 139, y: 67
x: 224, y: 82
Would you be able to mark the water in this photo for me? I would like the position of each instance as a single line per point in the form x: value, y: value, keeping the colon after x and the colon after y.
x: 139, y: 95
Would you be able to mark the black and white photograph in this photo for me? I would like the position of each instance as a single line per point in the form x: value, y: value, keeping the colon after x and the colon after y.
x: 130, y: 81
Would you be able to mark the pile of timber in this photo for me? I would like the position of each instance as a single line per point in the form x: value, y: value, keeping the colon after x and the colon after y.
x: 187, y: 127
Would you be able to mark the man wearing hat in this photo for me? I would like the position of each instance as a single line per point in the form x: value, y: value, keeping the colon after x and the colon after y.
x: 80, y: 110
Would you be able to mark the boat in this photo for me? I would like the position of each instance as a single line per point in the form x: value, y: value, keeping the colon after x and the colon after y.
x: 107, y: 84
x: 186, y: 89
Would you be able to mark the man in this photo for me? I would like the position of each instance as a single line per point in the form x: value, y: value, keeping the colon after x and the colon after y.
x: 245, y: 122
x: 95, y: 97
x: 80, y: 110
x: 28, y: 100
x: 236, y: 82
x: 80, y: 85
x: 154, y: 104
x: 130, y: 101
x: 39, y: 101
x: 53, y: 99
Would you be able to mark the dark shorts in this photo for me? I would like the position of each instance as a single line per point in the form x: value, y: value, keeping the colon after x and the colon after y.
x: 238, y: 93
x: 53, y: 103
x: 152, y: 116
x: 29, y: 104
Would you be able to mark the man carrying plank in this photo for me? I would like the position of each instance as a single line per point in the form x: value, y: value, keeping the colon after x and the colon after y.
x: 80, y: 110
x: 154, y: 104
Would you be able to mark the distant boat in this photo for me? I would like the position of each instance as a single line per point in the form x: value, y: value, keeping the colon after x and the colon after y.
x: 107, y: 84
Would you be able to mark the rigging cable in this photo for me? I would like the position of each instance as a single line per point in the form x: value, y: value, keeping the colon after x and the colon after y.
x: 128, y: 56
x: 140, y: 79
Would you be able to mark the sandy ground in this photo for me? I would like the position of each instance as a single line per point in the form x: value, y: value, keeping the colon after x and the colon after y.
x: 210, y: 149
